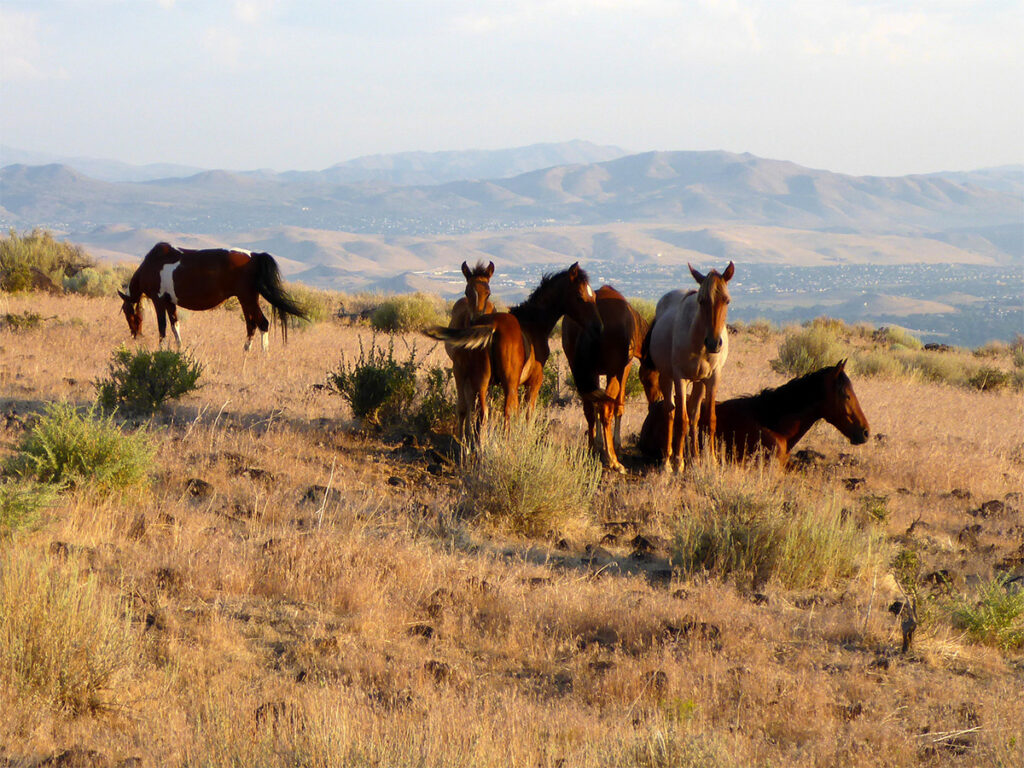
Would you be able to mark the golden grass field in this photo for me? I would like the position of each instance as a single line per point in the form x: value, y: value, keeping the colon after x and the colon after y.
x: 257, y: 621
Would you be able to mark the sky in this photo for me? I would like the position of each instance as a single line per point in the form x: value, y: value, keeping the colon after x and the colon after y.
x: 880, y: 87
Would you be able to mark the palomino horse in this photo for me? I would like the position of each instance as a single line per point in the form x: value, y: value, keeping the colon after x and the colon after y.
x: 517, y: 340
x: 175, y: 277
x: 688, y: 341
x: 471, y: 367
x: 609, y: 353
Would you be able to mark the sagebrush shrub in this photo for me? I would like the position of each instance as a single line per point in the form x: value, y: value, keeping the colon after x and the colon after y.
x: 94, y: 282
x: 379, y: 389
x: 524, y: 480
x: 809, y: 349
x: 63, y: 641
x: 414, y: 312
x: 142, y: 381
x: 436, y: 409
x: 73, y: 447
x: 38, y: 252
x: 996, y: 617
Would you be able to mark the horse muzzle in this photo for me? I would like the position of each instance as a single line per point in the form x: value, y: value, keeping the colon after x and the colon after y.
x: 713, y: 345
x: 860, y: 436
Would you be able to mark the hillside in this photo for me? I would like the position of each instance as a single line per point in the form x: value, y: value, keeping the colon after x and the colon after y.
x: 286, y: 589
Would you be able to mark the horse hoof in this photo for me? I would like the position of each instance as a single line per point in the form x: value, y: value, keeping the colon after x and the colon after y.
x: 619, y: 468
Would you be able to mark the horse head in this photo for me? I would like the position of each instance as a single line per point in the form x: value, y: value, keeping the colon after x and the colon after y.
x: 842, y: 410
x: 713, y: 300
x: 580, y: 300
x: 478, y: 288
x: 132, y: 313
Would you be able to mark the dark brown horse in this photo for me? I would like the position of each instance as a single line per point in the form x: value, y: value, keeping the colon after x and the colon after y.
x: 774, y: 420
x: 176, y: 277
x: 517, y: 341
x: 471, y: 367
x: 609, y: 354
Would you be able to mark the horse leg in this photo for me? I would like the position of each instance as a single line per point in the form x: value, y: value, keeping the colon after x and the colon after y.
x: 711, y: 392
x: 609, y: 415
x: 680, y: 426
x: 533, y: 385
x: 620, y: 406
x: 264, y: 325
x: 667, y: 417
x: 172, y: 313
x: 693, y: 413
x: 161, y: 320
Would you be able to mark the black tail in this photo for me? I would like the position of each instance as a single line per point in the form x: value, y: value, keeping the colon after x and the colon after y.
x: 270, y: 287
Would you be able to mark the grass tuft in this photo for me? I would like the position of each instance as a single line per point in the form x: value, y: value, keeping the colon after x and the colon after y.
x: 523, y: 480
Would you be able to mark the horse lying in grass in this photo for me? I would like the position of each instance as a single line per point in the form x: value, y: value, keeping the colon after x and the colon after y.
x: 199, y: 280
x: 773, y: 421
x: 609, y: 354
x: 516, y: 341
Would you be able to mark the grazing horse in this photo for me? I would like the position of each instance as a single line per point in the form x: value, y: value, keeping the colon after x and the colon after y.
x: 176, y: 277
x: 609, y: 353
x: 774, y: 420
x: 688, y: 341
x: 471, y: 367
x: 517, y: 341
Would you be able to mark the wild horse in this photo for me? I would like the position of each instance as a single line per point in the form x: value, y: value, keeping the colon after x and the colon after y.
x: 516, y: 341
x: 610, y: 354
x: 470, y: 367
x: 198, y: 280
x: 688, y: 341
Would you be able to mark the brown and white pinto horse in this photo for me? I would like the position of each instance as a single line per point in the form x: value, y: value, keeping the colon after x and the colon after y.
x: 471, y: 367
x: 176, y: 277
x: 517, y: 341
x: 688, y: 341
x: 610, y: 354
x: 773, y: 421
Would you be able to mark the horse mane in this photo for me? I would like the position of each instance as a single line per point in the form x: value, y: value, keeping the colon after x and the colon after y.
x: 534, y: 309
x: 712, y: 288
x: 480, y: 270
x: 773, y: 402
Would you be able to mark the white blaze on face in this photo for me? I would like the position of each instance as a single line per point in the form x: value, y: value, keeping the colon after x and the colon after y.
x: 167, y: 281
x: 590, y: 291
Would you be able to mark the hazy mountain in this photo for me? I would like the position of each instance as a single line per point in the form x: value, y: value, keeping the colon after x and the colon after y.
x: 104, y: 170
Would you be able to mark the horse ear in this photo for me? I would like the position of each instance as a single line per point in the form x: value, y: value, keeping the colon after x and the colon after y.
x: 122, y: 295
x: 490, y: 270
x: 696, y: 275
x: 841, y: 366
x: 465, y: 270
x: 574, y: 270
x: 729, y: 272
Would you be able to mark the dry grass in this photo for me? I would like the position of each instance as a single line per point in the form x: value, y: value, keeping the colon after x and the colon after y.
x: 289, y: 591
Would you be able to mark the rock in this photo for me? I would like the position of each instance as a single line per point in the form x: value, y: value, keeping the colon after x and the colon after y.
x: 438, y: 670
x: 198, y: 488
x: 988, y: 509
x: 396, y: 481
x: 138, y: 527
x: 596, y: 555
x: 321, y: 494
x: 76, y: 757
x: 852, y: 483
x: 425, y: 631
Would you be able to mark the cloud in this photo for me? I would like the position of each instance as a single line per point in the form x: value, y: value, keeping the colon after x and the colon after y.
x: 253, y: 11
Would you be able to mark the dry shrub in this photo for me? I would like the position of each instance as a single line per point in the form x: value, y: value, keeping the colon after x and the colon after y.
x: 809, y: 349
x: 525, y: 481
x: 63, y: 641
x: 401, y: 314
x: 752, y: 527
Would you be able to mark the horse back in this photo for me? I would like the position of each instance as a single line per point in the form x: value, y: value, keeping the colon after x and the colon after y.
x: 739, y: 429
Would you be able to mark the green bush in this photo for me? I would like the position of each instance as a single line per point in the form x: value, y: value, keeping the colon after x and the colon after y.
x: 409, y: 313
x: 989, y: 379
x: 525, y: 481
x: 809, y: 349
x: 63, y: 641
x: 21, y: 503
x: 895, y: 337
x: 749, y: 528
x: 436, y: 409
x: 142, y: 381
x: 23, y: 257
x: 94, y: 282
x: 379, y: 389
x: 315, y: 304
x: 883, y: 364
x: 82, y: 448
x: 21, y: 321
x: 995, y: 618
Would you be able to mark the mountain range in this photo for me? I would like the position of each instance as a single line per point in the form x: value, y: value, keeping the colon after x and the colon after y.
x: 363, y: 221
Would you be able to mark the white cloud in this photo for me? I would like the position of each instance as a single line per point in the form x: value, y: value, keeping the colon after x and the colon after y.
x: 253, y: 11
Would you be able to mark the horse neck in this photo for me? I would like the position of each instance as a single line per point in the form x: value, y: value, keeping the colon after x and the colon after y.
x: 791, y: 422
x: 537, y: 317
x: 135, y: 286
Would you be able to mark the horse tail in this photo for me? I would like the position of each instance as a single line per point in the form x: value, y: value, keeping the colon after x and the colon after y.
x: 645, y: 349
x: 270, y: 287
x: 475, y: 336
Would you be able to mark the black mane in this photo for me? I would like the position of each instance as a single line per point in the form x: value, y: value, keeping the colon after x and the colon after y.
x: 535, y: 309
x: 772, y: 403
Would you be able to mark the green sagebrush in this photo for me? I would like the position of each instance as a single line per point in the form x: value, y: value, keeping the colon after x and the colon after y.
x: 143, y: 381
